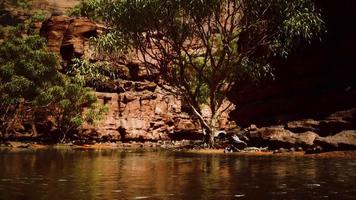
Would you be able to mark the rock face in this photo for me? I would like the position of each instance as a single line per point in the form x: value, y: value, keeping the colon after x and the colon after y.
x: 312, y: 102
x: 278, y: 137
x: 335, y: 132
x: 67, y: 36
x: 149, y: 116
x: 53, y: 29
x: 13, y: 15
x: 345, y: 140
x: 144, y: 116
x: 138, y: 108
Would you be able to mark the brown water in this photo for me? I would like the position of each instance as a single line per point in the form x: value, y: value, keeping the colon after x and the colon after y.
x: 113, y: 174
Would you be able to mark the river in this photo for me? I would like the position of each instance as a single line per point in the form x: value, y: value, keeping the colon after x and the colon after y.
x: 68, y: 174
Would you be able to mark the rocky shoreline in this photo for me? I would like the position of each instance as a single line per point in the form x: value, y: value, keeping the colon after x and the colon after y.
x: 335, y: 132
x: 311, y: 136
x: 309, y: 108
x: 177, y: 146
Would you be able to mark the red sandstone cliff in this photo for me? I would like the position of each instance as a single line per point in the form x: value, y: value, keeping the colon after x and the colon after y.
x: 138, y: 108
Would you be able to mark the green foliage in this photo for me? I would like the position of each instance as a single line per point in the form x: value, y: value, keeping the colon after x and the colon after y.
x: 87, y: 73
x: 202, y: 47
x: 8, y: 32
x: 254, y: 70
x: 22, y: 25
x: 84, y: 72
x: 70, y: 105
x: 186, y: 42
x: 26, y: 68
x: 88, y: 8
x: 39, y: 16
x: 29, y: 77
x: 285, y: 25
x: 18, y: 3
x: 109, y: 43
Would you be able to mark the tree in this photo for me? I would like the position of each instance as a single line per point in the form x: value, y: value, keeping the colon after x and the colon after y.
x: 31, y: 86
x: 70, y: 105
x: 281, y: 26
x: 194, y: 45
x: 26, y: 69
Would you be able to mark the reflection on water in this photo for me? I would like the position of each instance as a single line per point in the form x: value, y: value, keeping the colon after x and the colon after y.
x: 113, y: 174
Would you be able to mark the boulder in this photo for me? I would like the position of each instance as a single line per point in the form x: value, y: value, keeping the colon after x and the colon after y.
x: 345, y: 140
x: 54, y: 30
x: 278, y: 137
x: 236, y: 143
x: 68, y: 37
x: 78, y: 32
x: 302, y: 125
x: 306, y: 139
x: 331, y: 127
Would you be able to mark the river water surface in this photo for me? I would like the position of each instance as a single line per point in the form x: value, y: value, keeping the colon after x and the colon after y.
x: 114, y: 174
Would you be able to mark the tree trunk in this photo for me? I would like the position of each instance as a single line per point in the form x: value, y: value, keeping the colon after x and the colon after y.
x: 209, y: 128
x: 62, y: 140
x: 212, y: 130
x: 34, y: 129
x: 211, y: 138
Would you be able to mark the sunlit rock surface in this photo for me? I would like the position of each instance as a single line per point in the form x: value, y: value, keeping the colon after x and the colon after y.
x: 138, y: 108
x: 146, y: 115
x: 335, y: 132
x: 54, y: 5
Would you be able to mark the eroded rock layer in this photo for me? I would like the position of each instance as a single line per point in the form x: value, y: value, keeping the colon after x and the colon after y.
x: 138, y: 108
x: 335, y: 132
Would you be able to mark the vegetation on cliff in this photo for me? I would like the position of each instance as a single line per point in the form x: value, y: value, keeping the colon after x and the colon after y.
x: 33, y: 91
x: 201, y: 48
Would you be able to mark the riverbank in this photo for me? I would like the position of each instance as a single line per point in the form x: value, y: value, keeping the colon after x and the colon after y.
x: 164, y: 145
x: 331, y: 154
x: 167, y: 146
